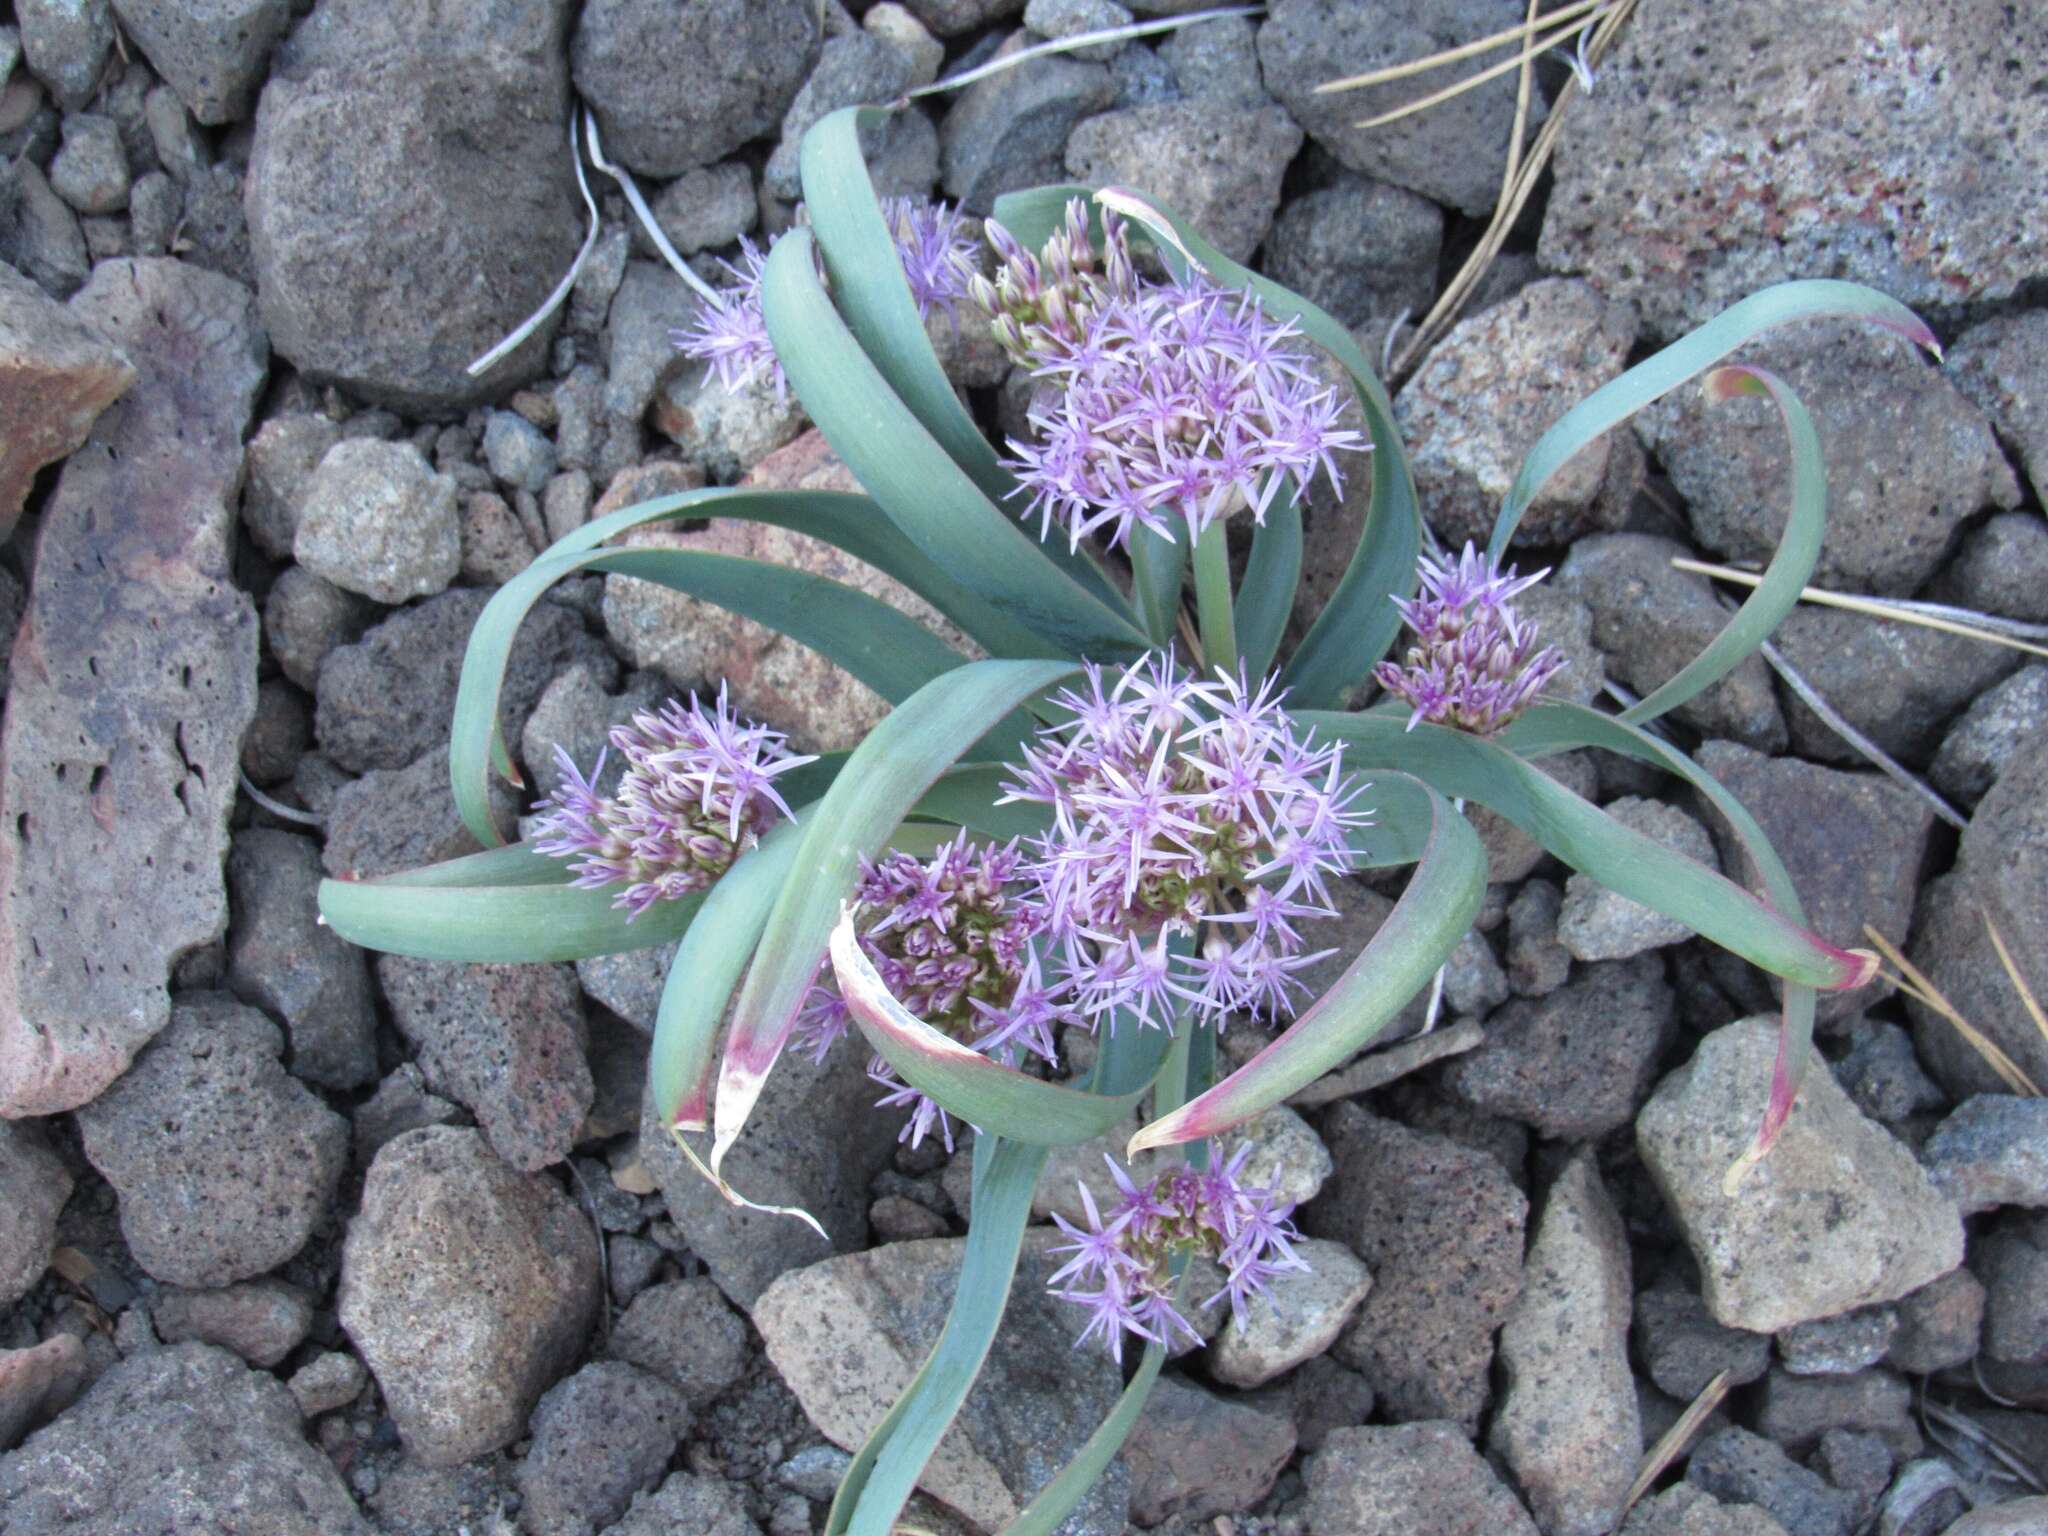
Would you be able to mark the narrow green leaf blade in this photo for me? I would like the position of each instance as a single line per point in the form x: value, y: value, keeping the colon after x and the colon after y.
x: 1434, y: 912
x: 883, y: 779
x: 986, y: 1094
x: 1265, y: 599
x: 869, y: 289
x: 1589, y: 840
x: 929, y: 497
x: 1158, y: 565
x: 1692, y: 354
x: 1791, y: 566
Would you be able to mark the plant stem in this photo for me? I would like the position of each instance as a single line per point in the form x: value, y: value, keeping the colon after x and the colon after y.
x: 1212, y: 599
x: 1156, y: 567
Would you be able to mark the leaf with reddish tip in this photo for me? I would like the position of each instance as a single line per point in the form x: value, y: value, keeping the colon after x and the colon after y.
x: 880, y: 784
x: 986, y: 1094
x: 1588, y: 839
x: 1434, y: 912
x: 1791, y: 566
x: 1692, y: 354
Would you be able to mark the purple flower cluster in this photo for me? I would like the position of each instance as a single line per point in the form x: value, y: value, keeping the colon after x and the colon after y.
x: 1121, y: 1268
x: 730, y: 334
x: 697, y: 791
x: 1475, y: 663
x: 952, y: 941
x: 1157, y: 403
x: 1180, y: 805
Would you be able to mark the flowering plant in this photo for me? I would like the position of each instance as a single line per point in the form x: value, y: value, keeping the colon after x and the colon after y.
x: 1124, y: 822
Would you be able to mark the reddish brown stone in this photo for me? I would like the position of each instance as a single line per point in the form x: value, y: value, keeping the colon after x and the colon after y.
x: 56, y: 376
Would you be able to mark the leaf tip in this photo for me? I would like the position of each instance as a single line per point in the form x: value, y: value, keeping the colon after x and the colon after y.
x: 1730, y: 380
x: 1865, y: 965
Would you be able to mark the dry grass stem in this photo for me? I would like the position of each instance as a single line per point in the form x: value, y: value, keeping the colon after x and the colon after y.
x: 1463, y: 51
x: 2012, y: 973
x: 1675, y: 1439
x: 1473, y: 82
x: 1080, y: 40
x: 1910, y: 980
x: 1876, y: 607
x: 554, y: 300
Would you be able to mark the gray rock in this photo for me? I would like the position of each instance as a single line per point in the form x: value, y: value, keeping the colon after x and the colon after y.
x: 896, y: 26
x: 279, y: 735
x: 1688, y: 1510
x: 703, y: 209
x: 852, y: 70
x: 282, y: 958
x: 1193, y: 1454
x: 65, y: 43
x: 1928, y: 1497
x: 1939, y: 1324
x: 576, y: 715
x: 517, y: 451
x: 2001, y: 872
x: 399, y: 229
x: 1839, y: 1345
x: 1598, y: 924
x: 377, y: 520
x: 1894, y: 433
x: 1838, y: 1215
x: 33, y: 1188
x: 652, y: 301
x: 506, y: 1041
x: 172, y: 140
x: 2001, y: 566
x: 390, y: 820
x: 1406, y: 1478
x: 327, y: 1382
x: 1994, y: 727
x: 2022, y: 1517
x: 1861, y: 1465
x: 400, y: 1104
x: 155, y: 205
x: 1683, y: 1348
x: 1440, y: 1227
x: 1796, y: 1411
x: 212, y: 54
x: 467, y: 1288
x: 1537, y: 964
x: 134, y: 680
x: 949, y: 18
x: 57, y: 374
x: 1883, y: 1076
x: 565, y: 504
x: 1010, y: 130
x: 707, y: 1506
x: 1492, y: 387
x: 1217, y: 165
x: 1578, y: 1062
x: 1297, y: 1321
x: 1852, y: 842
x: 1070, y: 18
x: 283, y: 455
x: 38, y: 1383
x: 1452, y: 153
x: 600, y: 1437
x: 684, y: 1332
x: 214, y: 226
x: 847, y: 1335
x: 1992, y: 1151
x: 1361, y: 249
x: 91, y: 172
x: 495, y: 546
x: 1999, y: 365
x: 1643, y: 227
x: 814, y: 1141
x: 129, y: 1456
x: 1735, y: 1465
x: 1324, y: 1397
x: 1216, y: 61
x: 1651, y: 620
x: 727, y: 431
x: 677, y: 88
x: 222, y: 1161
x: 262, y: 1321
x: 305, y: 617
x: 386, y: 700
x: 2013, y: 1264
x: 39, y: 234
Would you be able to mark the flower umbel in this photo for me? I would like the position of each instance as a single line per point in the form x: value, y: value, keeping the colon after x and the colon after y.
x: 698, y: 790
x: 1157, y: 403
x: 1177, y: 806
x: 731, y: 335
x: 951, y: 938
x: 1475, y: 663
x: 1121, y: 1267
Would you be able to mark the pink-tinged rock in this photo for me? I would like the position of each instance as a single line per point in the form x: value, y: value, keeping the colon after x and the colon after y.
x: 38, y: 1384
x: 56, y: 376
x: 133, y: 683
x: 772, y: 678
